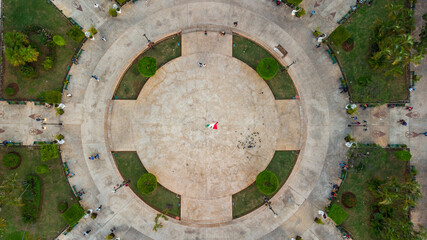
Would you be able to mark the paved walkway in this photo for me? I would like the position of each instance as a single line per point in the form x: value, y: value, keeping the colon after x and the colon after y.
x: 419, y: 125
x: 86, y: 122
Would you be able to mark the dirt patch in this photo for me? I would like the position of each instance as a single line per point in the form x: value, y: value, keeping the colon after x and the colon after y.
x: 15, y: 88
x: 347, y: 46
x: 348, y: 199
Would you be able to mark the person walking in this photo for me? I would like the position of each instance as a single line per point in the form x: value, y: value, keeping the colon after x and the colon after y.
x: 87, y: 232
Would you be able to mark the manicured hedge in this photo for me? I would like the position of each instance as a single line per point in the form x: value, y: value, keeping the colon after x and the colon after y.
x: 403, y: 155
x: 267, y: 68
x: 339, y: 35
x: 73, y: 214
x: 49, y: 151
x: 294, y: 2
x: 52, y: 97
x: 337, y: 214
x: 147, y: 183
x: 267, y: 182
x: 76, y: 34
x: 11, y: 160
x: 31, y: 199
x: 147, y: 66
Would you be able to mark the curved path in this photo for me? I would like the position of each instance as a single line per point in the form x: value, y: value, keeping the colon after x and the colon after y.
x: 86, y: 122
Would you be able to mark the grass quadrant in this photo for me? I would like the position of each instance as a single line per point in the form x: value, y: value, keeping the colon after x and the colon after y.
x: 381, y: 164
x: 250, y: 198
x: 132, y: 82
x: 19, y: 14
x: 355, y: 63
x: 251, y: 53
x: 54, y: 190
x: 131, y: 168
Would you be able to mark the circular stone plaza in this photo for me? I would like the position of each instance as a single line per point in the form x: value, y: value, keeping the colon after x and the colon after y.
x: 166, y: 123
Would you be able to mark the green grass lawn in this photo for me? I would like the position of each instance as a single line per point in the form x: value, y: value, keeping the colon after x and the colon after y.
x: 250, y: 198
x: 54, y: 190
x: 131, y: 168
x: 251, y: 53
x: 19, y: 14
x: 355, y: 63
x: 380, y: 164
x: 132, y: 82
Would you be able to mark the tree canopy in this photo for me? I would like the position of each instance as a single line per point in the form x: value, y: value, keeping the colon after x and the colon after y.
x: 18, y: 50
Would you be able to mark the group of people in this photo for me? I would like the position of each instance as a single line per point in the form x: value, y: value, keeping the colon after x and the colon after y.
x: 93, y: 157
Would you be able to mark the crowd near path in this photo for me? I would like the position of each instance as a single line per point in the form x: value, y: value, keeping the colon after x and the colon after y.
x: 86, y: 125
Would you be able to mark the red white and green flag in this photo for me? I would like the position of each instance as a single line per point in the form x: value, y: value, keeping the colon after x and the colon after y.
x: 213, y: 125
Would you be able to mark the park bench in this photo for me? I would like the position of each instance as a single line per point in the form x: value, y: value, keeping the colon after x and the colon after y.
x: 67, y: 81
x: 75, y: 191
x: 77, y: 55
x: 66, y: 168
x: 74, y: 22
x: 333, y: 58
x: 281, y: 50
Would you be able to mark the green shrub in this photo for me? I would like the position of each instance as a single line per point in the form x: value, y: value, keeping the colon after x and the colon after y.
x: 59, y: 137
x: 337, y: 214
x: 147, y: 183
x: 62, y: 207
x: 403, y: 155
x: 300, y: 13
x: 49, y: 151
x: 339, y: 35
x: 52, y: 97
x: 267, y: 182
x: 73, y: 214
x: 121, y: 1
x: 294, y: 2
x: 31, y: 199
x: 112, y: 12
x: 364, y: 81
x: 318, y: 221
x: 28, y: 71
x: 147, y: 66
x: 267, y: 68
x: 59, y: 111
x: 42, y: 169
x: 349, y: 41
x: 76, y: 34
x: 93, y: 30
x: 47, y: 63
x: 11, y: 160
x: 58, y: 40
x: 9, y: 91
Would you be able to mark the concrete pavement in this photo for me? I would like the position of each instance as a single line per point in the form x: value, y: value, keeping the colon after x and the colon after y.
x: 86, y: 121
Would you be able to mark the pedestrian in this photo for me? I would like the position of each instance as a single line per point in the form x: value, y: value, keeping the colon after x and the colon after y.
x: 99, y: 208
x: 204, y: 65
x: 355, y: 118
x: 318, y: 45
x: 312, y: 13
x: 365, y: 106
x: 103, y: 39
x: 87, y: 232
x: 69, y: 95
x: 409, y: 108
x: 96, y: 5
x: 206, y: 33
x: 411, y: 89
x: 200, y: 64
x: 97, y: 156
x: 235, y: 23
x: 222, y: 33
x: 357, y: 123
x: 91, y: 158
x: 403, y: 122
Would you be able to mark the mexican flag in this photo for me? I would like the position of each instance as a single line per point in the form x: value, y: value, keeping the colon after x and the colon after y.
x: 213, y: 125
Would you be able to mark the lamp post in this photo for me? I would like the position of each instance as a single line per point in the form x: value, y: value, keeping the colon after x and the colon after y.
x: 150, y: 43
x: 287, y: 67
x: 268, y: 203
